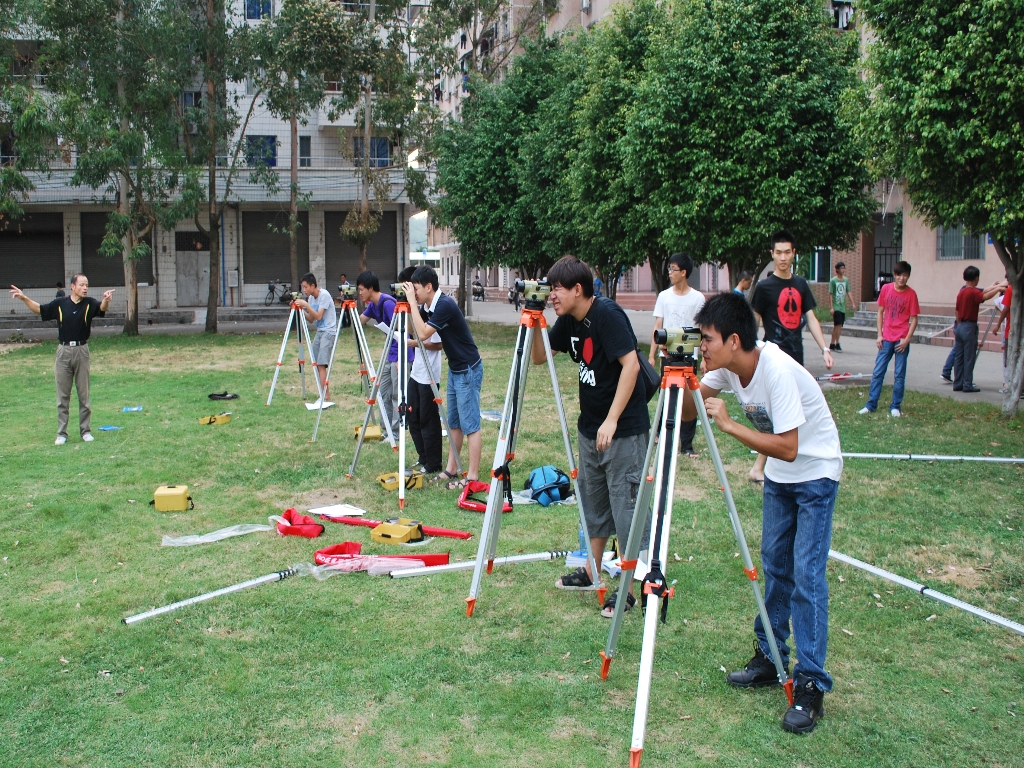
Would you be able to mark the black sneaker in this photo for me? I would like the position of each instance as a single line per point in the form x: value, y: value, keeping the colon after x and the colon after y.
x: 760, y: 671
x: 577, y: 580
x: 808, y: 708
x: 833, y: 347
x: 839, y: 347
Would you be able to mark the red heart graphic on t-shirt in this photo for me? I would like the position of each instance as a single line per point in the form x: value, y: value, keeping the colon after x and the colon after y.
x: 588, y: 351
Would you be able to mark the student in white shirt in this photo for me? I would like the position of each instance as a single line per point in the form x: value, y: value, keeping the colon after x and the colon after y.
x: 424, y: 418
x: 319, y: 308
x: 790, y: 424
x: 676, y: 307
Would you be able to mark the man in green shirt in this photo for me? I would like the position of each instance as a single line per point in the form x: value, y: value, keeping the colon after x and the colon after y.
x: 839, y: 293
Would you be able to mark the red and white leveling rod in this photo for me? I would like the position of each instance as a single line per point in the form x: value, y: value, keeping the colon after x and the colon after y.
x: 842, y: 376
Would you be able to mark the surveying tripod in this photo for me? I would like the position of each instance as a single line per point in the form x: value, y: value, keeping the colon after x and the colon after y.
x: 531, y: 318
x: 399, y: 329
x: 296, y: 316
x: 350, y: 310
x: 677, y: 376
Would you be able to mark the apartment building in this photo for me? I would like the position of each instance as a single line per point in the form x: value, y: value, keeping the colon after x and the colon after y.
x: 63, y: 227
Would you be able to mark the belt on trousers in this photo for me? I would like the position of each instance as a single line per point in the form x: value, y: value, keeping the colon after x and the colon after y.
x: 73, y: 343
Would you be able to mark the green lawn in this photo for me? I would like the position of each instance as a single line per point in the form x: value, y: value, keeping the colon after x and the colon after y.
x: 360, y: 671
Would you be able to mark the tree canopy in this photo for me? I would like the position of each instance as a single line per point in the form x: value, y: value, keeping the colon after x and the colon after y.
x: 700, y: 127
x: 947, y: 118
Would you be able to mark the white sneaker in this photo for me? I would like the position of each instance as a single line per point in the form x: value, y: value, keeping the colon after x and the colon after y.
x: 895, y: 413
x: 864, y: 411
x: 87, y: 437
x: 60, y: 440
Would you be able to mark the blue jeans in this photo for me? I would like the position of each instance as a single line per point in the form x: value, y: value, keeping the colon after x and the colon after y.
x: 965, y: 354
x: 947, y: 367
x: 899, y: 375
x: 464, y: 398
x: 795, y: 539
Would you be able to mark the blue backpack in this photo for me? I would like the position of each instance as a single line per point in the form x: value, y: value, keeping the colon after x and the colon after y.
x: 548, y: 484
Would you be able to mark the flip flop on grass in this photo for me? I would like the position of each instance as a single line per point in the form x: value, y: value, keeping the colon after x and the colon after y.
x: 443, y: 476
x: 457, y: 485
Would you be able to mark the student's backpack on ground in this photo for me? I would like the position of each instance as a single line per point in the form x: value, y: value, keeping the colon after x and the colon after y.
x: 548, y: 484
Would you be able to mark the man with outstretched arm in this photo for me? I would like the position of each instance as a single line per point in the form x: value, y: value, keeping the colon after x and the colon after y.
x: 614, y: 424
x: 74, y: 315
x: 790, y: 424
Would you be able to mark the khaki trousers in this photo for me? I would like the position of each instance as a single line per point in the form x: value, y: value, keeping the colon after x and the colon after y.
x: 72, y: 367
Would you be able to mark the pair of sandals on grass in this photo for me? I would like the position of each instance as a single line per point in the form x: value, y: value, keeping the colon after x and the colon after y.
x: 452, y: 482
x: 580, y: 581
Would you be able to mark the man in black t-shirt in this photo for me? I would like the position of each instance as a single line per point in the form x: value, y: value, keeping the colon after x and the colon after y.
x: 74, y: 315
x: 613, y: 425
x: 784, y: 304
x: 440, y: 313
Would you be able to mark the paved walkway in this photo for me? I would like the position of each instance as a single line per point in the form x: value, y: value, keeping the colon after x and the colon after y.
x: 858, y: 356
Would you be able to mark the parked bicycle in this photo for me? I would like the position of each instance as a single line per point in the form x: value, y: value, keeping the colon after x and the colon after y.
x: 284, y: 298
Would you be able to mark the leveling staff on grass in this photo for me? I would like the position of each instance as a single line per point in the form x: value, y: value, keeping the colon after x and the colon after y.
x: 614, y: 424
x: 74, y: 315
x: 793, y: 427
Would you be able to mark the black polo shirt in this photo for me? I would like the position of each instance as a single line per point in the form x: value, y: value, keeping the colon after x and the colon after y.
x: 74, y: 321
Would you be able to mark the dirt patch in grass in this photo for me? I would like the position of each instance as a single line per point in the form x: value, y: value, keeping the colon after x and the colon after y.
x: 934, y: 564
x: 5, y: 348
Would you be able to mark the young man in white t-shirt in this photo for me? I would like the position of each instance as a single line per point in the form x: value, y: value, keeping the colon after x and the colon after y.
x: 424, y: 417
x: 676, y: 307
x: 319, y: 309
x: 793, y: 427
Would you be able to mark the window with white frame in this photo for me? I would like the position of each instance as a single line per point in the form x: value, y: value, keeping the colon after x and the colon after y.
x: 261, y: 150
x: 957, y: 244
x: 380, y: 151
x: 258, y: 9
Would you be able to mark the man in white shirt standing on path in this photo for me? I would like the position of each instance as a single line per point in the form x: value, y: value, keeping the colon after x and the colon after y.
x: 676, y: 307
x: 790, y: 424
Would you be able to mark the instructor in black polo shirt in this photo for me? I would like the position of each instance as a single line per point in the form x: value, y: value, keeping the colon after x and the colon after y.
x: 74, y: 315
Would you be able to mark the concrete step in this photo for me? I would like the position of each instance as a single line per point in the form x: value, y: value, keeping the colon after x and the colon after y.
x: 940, y: 339
x: 111, y: 319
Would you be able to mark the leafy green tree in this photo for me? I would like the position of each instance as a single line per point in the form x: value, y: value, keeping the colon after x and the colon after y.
x: 205, y: 50
x: 307, y: 43
x: 102, y: 100
x: 744, y: 124
x: 472, y: 42
x: 614, y: 222
x: 22, y: 113
x: 481, y: 172
x: 947, y: 118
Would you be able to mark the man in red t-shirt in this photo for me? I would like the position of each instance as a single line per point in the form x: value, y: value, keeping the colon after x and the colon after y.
x: 897, y: 320
x: 965, y: 331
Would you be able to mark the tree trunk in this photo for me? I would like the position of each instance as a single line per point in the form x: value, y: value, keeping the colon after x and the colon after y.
x: 131, y: 285
x: 131, y: 301
x: 460, y: 293
x: 757, y: 274
x: 213, y: 300
x: 293, y: 207
x: 1013, y: 259
x: 659, y: 273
